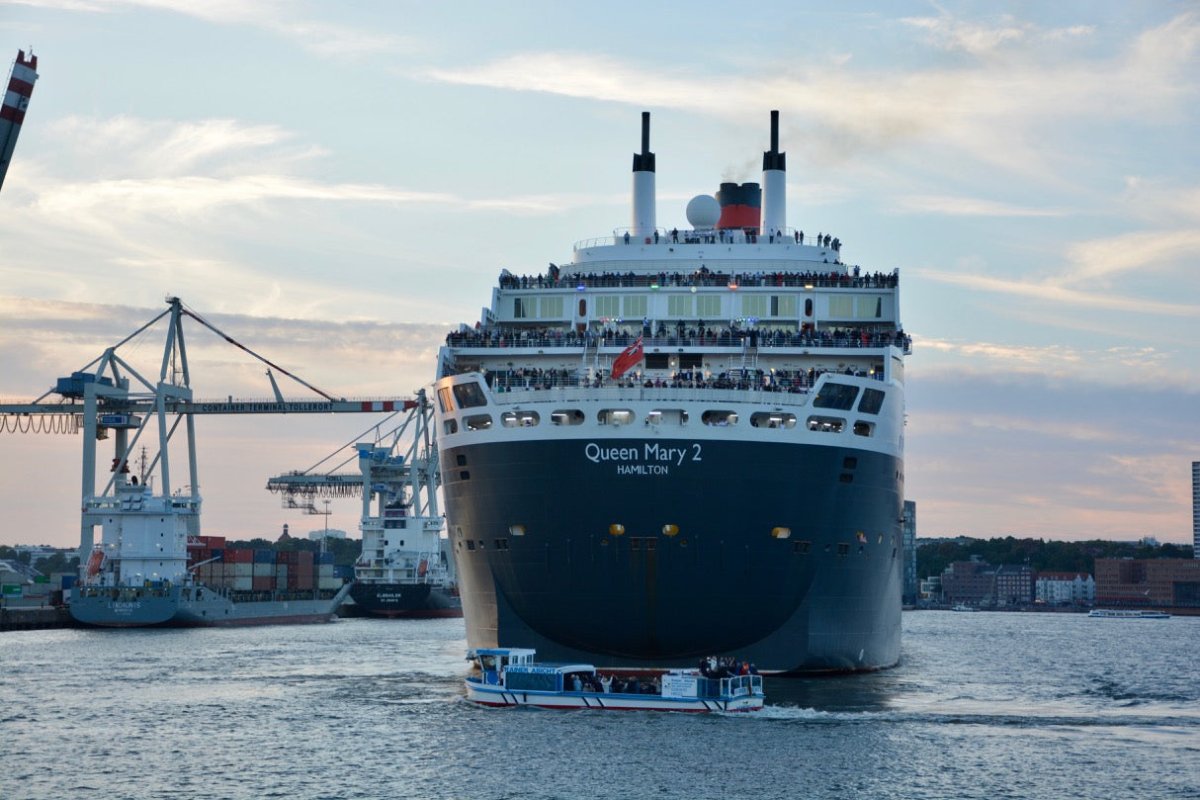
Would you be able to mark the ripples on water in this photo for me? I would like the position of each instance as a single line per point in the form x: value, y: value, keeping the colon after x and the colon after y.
x: 983, y: 706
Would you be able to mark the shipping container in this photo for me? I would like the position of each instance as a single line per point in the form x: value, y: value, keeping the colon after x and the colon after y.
x: 304, y: 558
x: 263, y: 583
x: 329, y: 583
x: 241, y: 584
x: 281, y: 573
x: 264, y: 556
x: 263, y: 570
x: 324, y: 558
x: 325, y: 570
x: 241, y: 570
x: 238, y: 555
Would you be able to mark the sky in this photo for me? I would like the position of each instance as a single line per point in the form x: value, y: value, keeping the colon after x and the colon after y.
x: 336, y: 185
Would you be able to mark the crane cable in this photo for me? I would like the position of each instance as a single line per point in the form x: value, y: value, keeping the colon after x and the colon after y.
x: 41, y: 423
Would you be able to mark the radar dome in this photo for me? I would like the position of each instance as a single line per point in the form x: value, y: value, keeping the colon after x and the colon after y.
x: 703, y: 211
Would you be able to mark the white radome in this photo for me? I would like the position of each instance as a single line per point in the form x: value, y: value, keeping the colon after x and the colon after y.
x: 703, y: 211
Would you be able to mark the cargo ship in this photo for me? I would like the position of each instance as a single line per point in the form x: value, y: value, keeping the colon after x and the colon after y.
x: 148, y: 572
x: 686, y: 441
x: 405, y: 570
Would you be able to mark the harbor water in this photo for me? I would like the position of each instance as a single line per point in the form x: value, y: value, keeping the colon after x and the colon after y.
x: 984, y: 705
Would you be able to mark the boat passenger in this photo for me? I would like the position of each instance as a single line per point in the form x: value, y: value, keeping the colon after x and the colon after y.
x: 576, y: 684
x: 606, y: 683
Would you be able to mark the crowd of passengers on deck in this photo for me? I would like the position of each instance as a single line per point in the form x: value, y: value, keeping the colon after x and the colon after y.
x: 711, y: 667
x: 680, y: 335
x: 794, y: 381
x: 554, y: 278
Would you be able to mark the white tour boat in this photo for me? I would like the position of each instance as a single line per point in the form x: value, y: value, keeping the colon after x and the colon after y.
x: 508, y: 676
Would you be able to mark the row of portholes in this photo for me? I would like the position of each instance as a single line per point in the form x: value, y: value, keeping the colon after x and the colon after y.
x: 673, y: 416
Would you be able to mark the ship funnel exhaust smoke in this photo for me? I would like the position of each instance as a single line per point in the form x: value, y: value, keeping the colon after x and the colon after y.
x: 643, y: 223
x: 774, y: 181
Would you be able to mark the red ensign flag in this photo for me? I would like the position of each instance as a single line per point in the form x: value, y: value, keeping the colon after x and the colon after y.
x: 629, y: 356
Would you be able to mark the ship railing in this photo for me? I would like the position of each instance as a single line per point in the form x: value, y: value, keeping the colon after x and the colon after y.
x: 670, y: 236
x: 733, y: 342
x: 741, y: 685
x: 764, y: 278
x: 576, y: 394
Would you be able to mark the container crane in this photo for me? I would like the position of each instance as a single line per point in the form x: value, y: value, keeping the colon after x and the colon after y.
x: 109, y: 397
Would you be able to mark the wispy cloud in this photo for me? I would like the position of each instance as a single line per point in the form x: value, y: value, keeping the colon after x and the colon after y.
x: 968, y: 207
x: 1050, y: 291
x: 955, y: 34
x: 999, y: 112
x: 322, y: 37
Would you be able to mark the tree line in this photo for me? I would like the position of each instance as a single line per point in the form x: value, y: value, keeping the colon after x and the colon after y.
x: 1040, y: 555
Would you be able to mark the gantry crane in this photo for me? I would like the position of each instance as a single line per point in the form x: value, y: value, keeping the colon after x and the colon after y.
x: 109, y: 396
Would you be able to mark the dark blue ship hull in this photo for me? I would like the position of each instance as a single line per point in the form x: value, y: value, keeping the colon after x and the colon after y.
x: 701, y: 565
x: 406, y: 601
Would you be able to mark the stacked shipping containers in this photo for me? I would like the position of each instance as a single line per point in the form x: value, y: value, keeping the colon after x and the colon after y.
x: 245, y: 570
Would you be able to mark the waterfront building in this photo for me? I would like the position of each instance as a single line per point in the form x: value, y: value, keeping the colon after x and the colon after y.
x: 969, y: 582
x: 1014, y: 585
x: 1164, y: 582
x: 1196, y: 509
x: 910, y: 552
x: 1065, y: 589
x: 931, y: 589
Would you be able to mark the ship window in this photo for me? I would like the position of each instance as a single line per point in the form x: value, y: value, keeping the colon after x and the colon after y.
x: 479, y: 422
x: 841, y: 306
x: 801, y: 547
x: 869, y: 306
x: 566, y: 416
x: 635, y: 544
x: 843, y: 548
x: 691, y: 360
x: 846, y: 477
x: 658, y: 361
x: 754, y: 305
x: 708, y: 305
x: 634, y: 306
x: 872, y: 401
x: 469, y: 395
x: 522, y: 307
x: 671, y: 416
x: 519, y: 419
x: 460, y: 460
x: 863, y: 428
x: 501, y: 544
x: 836, y: 395
x: 451, y: 426
x: 783, y: 305
x: 826, y: 424
x: 607, y: 306
x: 582, y: 307
x: 615, y: 416
x: 464, y: 475
x: 808, y: 306
x: 719, y: 417
x: 550, y: 307
x: 772, y: 419
x: 680, y: 305
x: 444, y: 400
x: 470, y: 544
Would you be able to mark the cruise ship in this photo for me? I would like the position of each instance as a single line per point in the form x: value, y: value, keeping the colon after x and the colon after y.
x: 687, y: 441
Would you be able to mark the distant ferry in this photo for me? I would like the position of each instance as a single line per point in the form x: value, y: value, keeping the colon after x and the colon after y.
x: 1112, y: 613
x: 508, y: 676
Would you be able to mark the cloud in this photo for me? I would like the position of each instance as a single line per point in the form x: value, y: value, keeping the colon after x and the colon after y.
x: 954, y: 34
x: 344, y: 358
x: 968, y: 207
x: 322, y: 37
